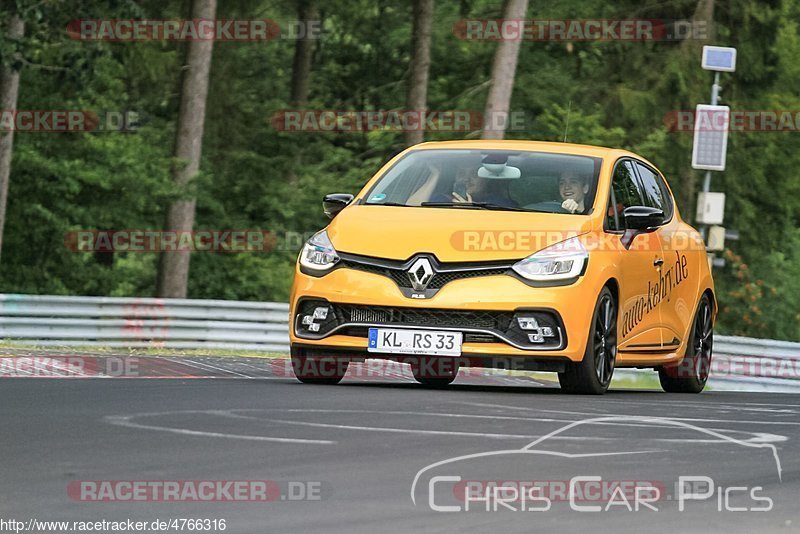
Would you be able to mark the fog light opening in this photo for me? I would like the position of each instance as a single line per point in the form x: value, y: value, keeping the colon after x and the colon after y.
x: 528, y: 323
x: 536, y: 338
x: 314, y: 316
x: 534, y: 329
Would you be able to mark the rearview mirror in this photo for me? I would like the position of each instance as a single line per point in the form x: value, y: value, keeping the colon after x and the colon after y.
x: 642, y: 218
x: 334, y: 203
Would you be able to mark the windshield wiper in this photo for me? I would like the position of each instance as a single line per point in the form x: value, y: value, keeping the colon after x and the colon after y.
x: 479, y: 205
x: 387, y: 204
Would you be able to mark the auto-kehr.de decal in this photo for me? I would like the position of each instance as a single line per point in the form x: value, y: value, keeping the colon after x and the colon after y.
x: 657, y: 292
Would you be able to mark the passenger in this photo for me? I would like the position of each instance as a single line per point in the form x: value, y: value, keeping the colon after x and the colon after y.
x: 573, y: 189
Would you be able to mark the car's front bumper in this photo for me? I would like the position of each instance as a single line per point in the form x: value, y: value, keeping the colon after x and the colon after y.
x: 372, y: 295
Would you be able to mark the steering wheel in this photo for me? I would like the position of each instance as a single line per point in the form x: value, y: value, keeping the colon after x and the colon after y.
x: 548, y: 206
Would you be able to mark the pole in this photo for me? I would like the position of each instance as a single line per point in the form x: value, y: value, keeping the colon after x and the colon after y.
x: 714, y: 100
x: 707, y: 180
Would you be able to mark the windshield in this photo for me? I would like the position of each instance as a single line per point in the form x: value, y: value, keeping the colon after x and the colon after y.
x: 490, y: 179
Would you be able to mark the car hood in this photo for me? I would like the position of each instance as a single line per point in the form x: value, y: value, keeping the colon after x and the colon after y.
x: 451, y: 234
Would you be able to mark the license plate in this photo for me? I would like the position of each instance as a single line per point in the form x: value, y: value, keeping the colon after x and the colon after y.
x: 414, y: 342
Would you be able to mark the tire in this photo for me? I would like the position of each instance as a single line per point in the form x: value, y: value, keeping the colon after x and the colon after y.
x: 593, y: 374
x: 313, y: 368
x: 691, y: 375
x: 432, y: 371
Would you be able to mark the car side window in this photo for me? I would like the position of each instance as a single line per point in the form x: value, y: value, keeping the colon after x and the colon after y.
x: 669, y: 205
x: 624, y: 194
x: 654, y: 183
x: 654, y: 191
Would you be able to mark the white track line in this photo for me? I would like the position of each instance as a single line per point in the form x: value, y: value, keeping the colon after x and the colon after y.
x: 206, y: 368
x: 695, y: 419
x: 413, y: 430
x: 229, y: 413
x: 125, y: 421
x: 758, y: 437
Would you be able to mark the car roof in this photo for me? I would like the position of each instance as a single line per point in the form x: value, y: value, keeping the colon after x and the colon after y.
x: 562, y: 148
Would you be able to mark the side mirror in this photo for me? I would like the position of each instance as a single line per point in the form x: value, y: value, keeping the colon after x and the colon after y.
x: 334, y: 203
x: 642, y: 218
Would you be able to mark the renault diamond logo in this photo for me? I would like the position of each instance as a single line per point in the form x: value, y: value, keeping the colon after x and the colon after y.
x: 420, y: 274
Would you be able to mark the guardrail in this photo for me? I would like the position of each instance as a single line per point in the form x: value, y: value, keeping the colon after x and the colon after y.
x: 144, y: 322
x: 773, y: 364
x: 225, y: 324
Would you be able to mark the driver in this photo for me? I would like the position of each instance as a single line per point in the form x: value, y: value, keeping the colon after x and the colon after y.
x: 573, y: 189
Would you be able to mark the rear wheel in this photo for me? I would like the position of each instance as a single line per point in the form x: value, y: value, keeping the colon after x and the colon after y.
x: 314, y: 368
x: 593, y: 374
x: 433, y: 371
x: 691, y: 375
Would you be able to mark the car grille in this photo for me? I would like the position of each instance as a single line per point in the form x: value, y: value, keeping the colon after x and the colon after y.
x: 399, y: 273
x: 429, y: 317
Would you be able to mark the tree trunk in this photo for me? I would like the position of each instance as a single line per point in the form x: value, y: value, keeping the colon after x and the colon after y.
x: 417, y: 97
x: 303, y: 54
x: 173, y: 272
x: 9, y: 89
x: 504, y: 69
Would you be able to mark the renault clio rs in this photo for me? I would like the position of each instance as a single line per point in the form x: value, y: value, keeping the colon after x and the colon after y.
x: 522, y: 255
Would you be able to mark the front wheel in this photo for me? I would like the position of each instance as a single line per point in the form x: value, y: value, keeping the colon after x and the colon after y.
x: 593, y: 374
x: 691, y: 375
x: 311, y: 368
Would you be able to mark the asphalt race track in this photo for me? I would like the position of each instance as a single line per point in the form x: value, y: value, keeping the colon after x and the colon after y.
x: 377, y: 453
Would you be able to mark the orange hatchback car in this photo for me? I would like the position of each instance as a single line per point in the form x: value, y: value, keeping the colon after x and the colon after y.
x: 509, y: 254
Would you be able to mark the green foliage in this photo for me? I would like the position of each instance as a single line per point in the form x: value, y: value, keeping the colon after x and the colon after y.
x: 763, y: 300
x: 557, y: 123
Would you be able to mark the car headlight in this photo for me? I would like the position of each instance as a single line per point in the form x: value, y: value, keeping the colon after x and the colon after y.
x: 318, y: 253
x: 557, y: 262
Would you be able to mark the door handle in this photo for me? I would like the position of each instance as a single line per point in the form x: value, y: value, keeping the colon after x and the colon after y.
x: 658, y: 262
